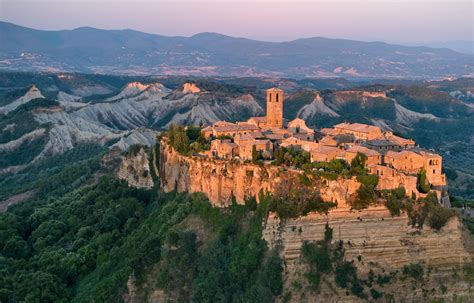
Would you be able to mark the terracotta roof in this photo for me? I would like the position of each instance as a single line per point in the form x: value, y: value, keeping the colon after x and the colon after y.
x: 357, y: 127
x: 381, y: 143
x: 364, y: 150
x: 324, y: 149
x: 275, y: 136
x: 243, y: 137
x: 259, y: 119
x: 398, y: 140
x: 236, y: 127
x: 401, y: 154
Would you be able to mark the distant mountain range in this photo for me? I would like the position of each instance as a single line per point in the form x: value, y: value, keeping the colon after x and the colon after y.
x: 461, y: 46
x: 93, y: 50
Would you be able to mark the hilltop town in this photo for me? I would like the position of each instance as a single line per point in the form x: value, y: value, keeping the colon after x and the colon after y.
x: 397, y: 161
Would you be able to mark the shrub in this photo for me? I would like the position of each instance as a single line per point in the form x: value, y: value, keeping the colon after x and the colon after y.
x: 305, y: 180
x: 414, y: 270
x: 178, y: 138
x: 368, y: 180
x: 422, y: 182
x: 439, y: 216
x: 317, y: 256
x: 375, y: 294
x: 394, y: 201
x: 365, y: 197
x: 358, y: 164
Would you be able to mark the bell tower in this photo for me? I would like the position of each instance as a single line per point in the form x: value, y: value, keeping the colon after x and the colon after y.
x: 274, y: 108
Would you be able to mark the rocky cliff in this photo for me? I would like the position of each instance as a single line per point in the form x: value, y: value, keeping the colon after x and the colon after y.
x: 377, y: 242
x: 135, y: 169
x: 221, y: 180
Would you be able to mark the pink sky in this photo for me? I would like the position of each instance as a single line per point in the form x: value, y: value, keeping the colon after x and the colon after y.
x: 390, y: 21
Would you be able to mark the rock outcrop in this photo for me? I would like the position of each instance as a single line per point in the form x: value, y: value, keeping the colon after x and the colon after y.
x: 221, y: 180
x: 190, y: 88
x: 135, y: 169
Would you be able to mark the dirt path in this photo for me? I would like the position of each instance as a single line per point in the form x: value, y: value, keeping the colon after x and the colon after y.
x: 14, y: 199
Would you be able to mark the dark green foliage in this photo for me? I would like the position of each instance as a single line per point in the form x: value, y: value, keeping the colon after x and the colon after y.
x: 186, y: 140
x: 318, y: 257
x: 287, y: 208
x: 59, y: 173
x: 429, y: 209
x: 193, y: 132
x: 89, y: 242
x: 24, y: 154
x: 290, y: 157
x: 422, y: 182
x: 336, y: 166
x: 178, y: 138
x: 255, y: 154
x: 305, y: 180
x: 358, y: 164
x: 178, y: 264
x: 460, y: 202
x: 365, y: 197
x: 469, y: 223
x: 295, y: 101
x: 231, y: 267
x: 346, y: 273
x: 414, y: 270
x: 375, y: 294
x: 439, y: 216
x: 323, y: 258
x: 395, y: 201
x: 425, y: 100
x: 21, y: 121
x: 68, y: 238
x: 368, y: 180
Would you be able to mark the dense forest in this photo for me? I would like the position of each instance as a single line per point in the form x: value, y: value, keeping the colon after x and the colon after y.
x: 85, y: 245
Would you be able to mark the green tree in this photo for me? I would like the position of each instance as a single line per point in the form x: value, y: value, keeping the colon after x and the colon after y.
x: 255, y: 154
x: 422, y: 182
x: 358, y: 164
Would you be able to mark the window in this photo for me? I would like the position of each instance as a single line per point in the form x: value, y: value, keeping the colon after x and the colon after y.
x: 277, y: 97
x: 434, y: 171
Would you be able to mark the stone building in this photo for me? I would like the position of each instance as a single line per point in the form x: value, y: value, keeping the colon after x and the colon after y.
x: 274, y: 108
x: 263, y: 147
x: 324, y: 153
x: 359, y: 131
x: 224, y: 149
x: 373, y: 157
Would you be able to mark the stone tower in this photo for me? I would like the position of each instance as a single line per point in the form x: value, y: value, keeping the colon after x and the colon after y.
x: 275, y: 108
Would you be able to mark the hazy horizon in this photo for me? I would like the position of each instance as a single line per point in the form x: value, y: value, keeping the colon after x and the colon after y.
x: 402, y: 22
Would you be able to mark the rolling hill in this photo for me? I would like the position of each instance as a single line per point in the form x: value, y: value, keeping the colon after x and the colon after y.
x: 93, y: 50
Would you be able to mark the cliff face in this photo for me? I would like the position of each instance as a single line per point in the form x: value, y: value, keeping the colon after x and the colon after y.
x: 382, y: 243
x: 374, y: 240
x: 221, y: 180
x: 135, y: 169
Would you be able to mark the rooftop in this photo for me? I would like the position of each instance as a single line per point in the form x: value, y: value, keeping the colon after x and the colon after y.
x: 357, y: 127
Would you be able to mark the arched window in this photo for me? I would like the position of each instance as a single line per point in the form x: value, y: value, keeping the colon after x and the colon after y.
x: 277, y: 97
